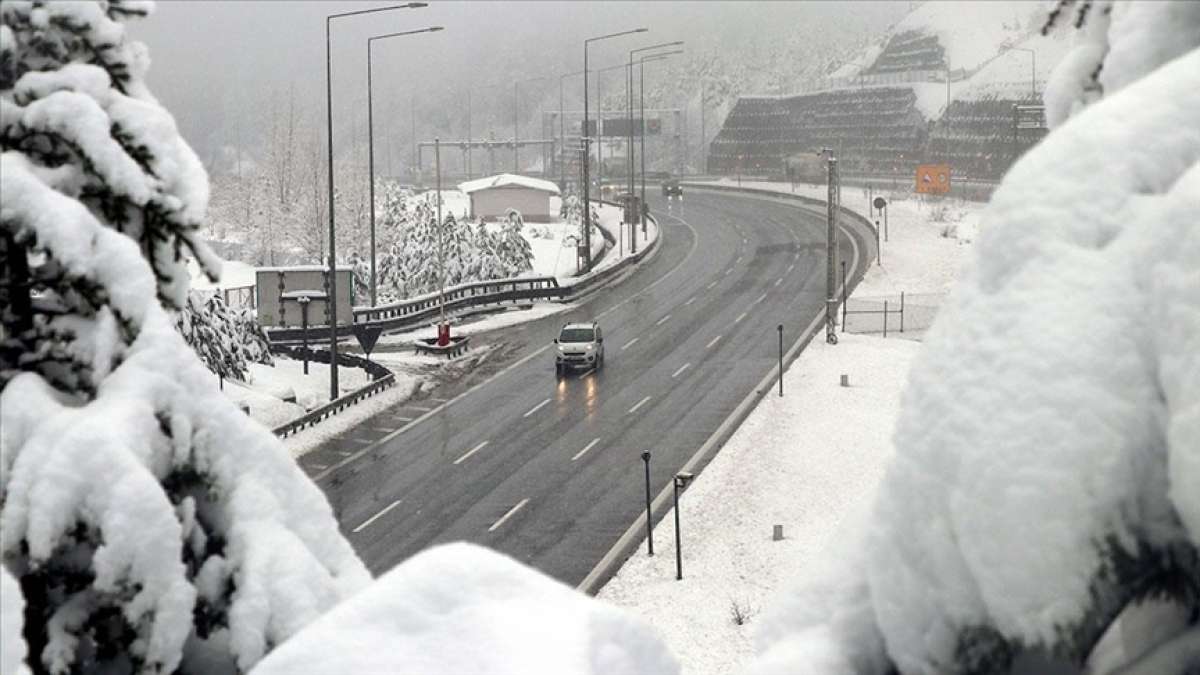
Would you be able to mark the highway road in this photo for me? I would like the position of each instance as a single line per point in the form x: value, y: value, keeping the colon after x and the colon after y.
x: 548, y: 470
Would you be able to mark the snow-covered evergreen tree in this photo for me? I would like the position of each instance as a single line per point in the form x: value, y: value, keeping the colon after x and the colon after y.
x: 514, y: 247
x: 148, y: 521
x: 1042, y: 513
x: 227, y: 339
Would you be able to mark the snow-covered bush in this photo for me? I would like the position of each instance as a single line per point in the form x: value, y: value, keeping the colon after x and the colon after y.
x: 1046, y: 484
x: 227, y: 339
x: 410, y: 267
x: 150, y: 524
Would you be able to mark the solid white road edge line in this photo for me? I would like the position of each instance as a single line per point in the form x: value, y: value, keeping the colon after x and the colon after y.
x: 638, y: 528
x: 508, y: 515
x: 470, y: 452
x: 681, y: 369
x: 587, y: 447
x: 638, y: 405
x: 536, y: 408
x: 377, y: 516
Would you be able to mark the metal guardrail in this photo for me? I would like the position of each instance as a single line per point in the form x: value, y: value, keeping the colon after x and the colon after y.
x: 381, y: 378
x: 858, y: 218
x: 419, y: 311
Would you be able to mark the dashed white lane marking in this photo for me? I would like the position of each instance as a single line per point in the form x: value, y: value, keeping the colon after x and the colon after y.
x: 638, y: 405
x: 778, y: 281
x: 403, y: 419
x: 690, y: 301
x: 796, y: 256
x: 344, y: 453
x: 386, y: 430
x: 536, y: 408
x: 740, y: 317
x: 681, y: 369
x: 377, y: 516
x: 791, y: 267
x: 760, y: 299
x: 521, y: 504
x: 662, y: 320
x: 421, y: 408
x: 714, y: 283
x: 470, y: 452
x: 712, y: 342
x: 363, y: 441
x: 728, y: 271
x: 739, y: 258
x: 318, y: 467
x: 585, y: 373
x: 629, y: 344
x: 439, y: 400
x: 587, y: 447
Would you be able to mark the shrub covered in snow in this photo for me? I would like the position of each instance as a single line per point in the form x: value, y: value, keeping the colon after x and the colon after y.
x: 1047, y: 476
x: 227, y: 339
x: 410, y: 267
x: 150, y: 524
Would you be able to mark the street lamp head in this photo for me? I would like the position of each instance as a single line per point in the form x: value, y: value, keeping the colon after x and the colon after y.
x: 434, y: 29
x: 417, y: 5
x: 646, y: 456
x: 683, y: 478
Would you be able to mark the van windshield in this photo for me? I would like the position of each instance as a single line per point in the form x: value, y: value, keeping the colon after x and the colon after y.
x: 577, y: 335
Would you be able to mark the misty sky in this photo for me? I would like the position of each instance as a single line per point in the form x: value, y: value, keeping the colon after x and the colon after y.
x: 215, y: 61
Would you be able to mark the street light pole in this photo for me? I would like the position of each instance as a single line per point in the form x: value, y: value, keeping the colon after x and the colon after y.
x: 371, y: 138
x: 587, y: 206
x: 681, y: 481
x: 437, y: 163
x: 642, y: 107
x: 333, y: 365
x: 629, y: 115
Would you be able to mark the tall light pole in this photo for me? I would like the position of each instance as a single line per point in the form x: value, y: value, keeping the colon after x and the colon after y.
x: 587, y: 206
x: 562, y: 130
x: 333, y: 369
x: 629, y: 106
x: 642, y: 103
x: 371, y: 138
x: 516, y: 123
x: 469, y: 115
x: 437, y: 163
x: 600, y: 125
x: 1032, y: 69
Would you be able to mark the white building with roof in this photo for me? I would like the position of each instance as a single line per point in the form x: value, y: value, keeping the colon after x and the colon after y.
x: 493, y: 196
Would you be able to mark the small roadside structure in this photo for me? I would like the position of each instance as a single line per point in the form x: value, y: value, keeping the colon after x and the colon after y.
x: 492, y: 197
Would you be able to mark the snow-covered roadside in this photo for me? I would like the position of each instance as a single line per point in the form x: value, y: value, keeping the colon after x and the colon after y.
x: 928, y: 239
x: 467, y: 325
x: 305, y: 440
x: 810, y: 462
x: 268, y: 386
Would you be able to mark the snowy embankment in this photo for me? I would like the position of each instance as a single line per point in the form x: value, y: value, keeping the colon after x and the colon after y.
x: 809, y: 461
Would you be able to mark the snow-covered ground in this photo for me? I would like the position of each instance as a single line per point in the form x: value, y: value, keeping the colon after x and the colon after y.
x: 268, y: 386
x: 809, y: 461
x: 928, y: 239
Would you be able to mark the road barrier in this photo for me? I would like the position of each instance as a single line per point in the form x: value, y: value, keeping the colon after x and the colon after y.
x: 419, y: 311
x: 381, y: 378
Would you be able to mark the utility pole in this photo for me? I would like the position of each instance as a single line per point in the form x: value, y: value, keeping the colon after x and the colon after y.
x: 437, y: 163
x: 831, y: 247
x: 469, y: 133
x: 703, y: 135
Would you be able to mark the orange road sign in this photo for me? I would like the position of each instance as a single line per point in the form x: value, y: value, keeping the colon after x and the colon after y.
x: 933, y: 178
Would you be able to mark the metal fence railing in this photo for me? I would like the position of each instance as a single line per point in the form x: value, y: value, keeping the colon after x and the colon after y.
x: 381, y: 378
x: 904, y: 315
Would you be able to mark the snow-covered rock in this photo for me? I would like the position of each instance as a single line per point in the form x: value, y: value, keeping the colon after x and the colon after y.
x: 459, y: 609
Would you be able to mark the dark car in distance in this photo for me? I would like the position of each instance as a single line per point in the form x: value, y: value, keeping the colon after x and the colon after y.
x: 670, y: 188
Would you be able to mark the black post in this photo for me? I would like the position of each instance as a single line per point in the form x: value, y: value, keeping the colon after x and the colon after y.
x: 649, y: 521
x: 885, y: 223
x: 885, y: 314
x: 370, y: 169
x: 901, y: 311
x: 304, y: 330
x: 781, y: 360
x: 587, y: 158
x: 843, y: 296
x: 331, y: 301
x: 642, y: 140
x: 878, y: 248
x: 678, y: 539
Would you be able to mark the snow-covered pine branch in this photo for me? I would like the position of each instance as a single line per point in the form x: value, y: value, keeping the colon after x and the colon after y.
x: 150, y: 524
x: 1042, y: 507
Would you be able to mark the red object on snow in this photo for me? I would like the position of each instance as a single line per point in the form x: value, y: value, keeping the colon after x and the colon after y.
x: 443, y: 334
